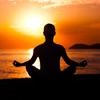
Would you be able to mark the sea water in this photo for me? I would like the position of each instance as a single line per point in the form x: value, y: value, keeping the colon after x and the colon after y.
x: 8, y: 71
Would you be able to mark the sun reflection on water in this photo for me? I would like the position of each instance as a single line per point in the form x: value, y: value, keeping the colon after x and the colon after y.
x: 31, y: 52
x: 37, y: 62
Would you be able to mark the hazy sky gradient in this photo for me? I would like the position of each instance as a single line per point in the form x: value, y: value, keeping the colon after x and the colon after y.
x: 76, y: 21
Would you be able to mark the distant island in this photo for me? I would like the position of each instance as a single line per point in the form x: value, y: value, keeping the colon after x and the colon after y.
x: 84, y: 46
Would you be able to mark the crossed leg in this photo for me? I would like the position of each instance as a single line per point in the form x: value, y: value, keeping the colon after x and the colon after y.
x: 34, y: 72
x: 68, y: 72
x: 57, y: 84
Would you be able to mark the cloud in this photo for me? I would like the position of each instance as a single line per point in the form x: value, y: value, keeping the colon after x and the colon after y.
x: 55, y: 3
x: 95, y: 25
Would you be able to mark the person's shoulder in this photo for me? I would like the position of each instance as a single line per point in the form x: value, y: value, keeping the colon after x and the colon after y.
x: 60, y: 47
x: 39, y: 46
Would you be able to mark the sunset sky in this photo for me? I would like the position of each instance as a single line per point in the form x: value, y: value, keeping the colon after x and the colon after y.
x: 22, y: 22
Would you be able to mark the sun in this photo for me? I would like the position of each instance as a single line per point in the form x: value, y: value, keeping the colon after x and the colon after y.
x: 33, y: 23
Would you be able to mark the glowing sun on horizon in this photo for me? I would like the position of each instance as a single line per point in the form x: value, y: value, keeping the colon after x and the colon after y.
x: 33, y: 23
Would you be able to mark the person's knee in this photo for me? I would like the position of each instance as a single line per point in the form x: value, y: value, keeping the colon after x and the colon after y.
x: 32, y: 71
x: 28, y: 67
x: 73, y: 68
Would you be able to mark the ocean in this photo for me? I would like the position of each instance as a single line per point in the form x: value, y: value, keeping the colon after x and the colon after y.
x: 8, y: 71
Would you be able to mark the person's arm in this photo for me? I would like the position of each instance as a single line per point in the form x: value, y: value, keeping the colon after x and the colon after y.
x: 71, y: 62
x: 30, y: 62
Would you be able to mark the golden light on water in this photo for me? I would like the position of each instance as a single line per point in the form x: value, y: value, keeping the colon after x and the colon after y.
x: 31, y: 52
x: 37, y: 62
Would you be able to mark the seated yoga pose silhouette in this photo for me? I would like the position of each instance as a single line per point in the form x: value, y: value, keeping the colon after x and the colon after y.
x: 49, y: 54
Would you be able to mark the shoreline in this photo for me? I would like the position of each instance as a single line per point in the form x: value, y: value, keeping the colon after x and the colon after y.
x: 75, y: 78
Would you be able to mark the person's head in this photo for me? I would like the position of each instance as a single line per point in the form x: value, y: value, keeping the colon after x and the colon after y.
x: 49, y: 30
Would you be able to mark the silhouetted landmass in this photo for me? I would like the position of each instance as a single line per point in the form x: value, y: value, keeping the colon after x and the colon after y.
x: 84, y: 46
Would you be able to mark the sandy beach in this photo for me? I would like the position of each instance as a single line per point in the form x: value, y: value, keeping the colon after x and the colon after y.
x: 78, y: 87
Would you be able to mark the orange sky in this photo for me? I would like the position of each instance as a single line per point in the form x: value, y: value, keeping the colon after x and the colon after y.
x: 76, y: 21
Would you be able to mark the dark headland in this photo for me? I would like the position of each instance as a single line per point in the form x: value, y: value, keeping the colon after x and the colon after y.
x: 84, y: 46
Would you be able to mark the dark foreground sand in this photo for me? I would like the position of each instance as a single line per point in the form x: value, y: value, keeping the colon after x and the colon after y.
x: 79, y: 87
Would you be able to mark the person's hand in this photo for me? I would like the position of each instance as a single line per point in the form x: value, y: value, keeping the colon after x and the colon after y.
x: 83, y: 63
x: 17, y: 64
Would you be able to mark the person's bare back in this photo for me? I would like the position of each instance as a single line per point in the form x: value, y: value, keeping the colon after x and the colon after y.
x: 49, y: 54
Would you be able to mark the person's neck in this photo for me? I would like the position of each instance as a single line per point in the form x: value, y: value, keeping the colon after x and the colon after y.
x: 49, y: 39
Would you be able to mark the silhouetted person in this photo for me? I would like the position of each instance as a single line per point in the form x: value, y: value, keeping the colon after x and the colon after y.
x: 49, y: 54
